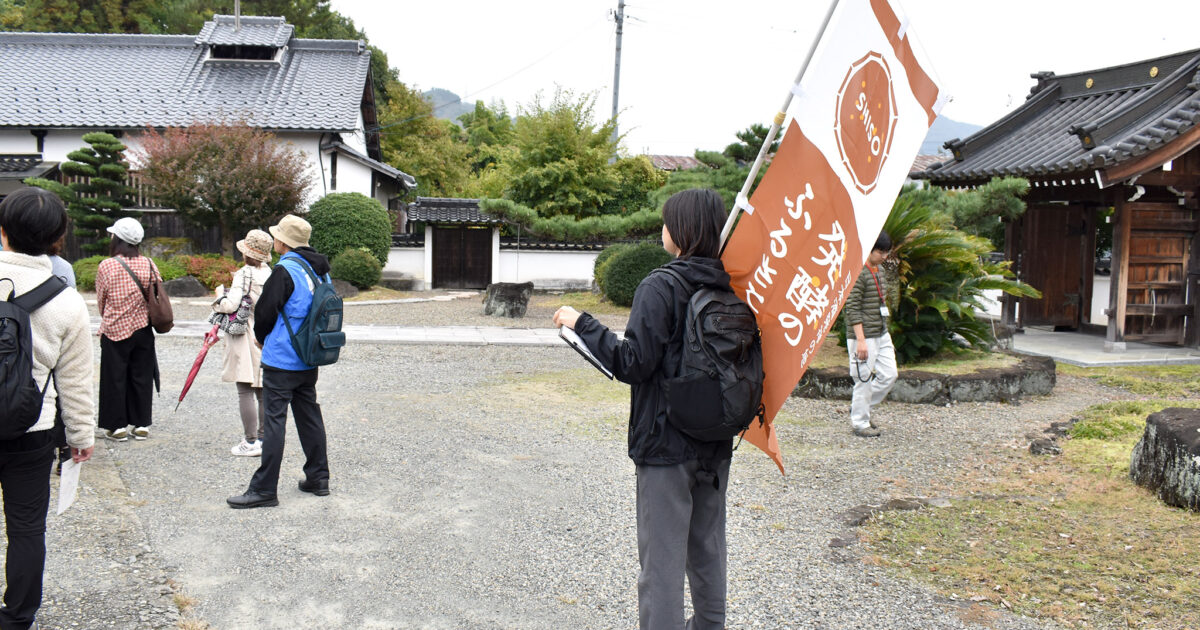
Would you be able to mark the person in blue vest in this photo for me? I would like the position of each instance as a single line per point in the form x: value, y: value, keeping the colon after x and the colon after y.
x: 286, y: 379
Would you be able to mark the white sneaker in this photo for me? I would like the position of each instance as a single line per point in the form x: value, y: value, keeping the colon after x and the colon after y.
x: 120, y: 435
x: 141, y: 433
x: 247, y: 449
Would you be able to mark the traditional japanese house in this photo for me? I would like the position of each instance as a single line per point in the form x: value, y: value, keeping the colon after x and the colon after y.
x: 1116, y: 145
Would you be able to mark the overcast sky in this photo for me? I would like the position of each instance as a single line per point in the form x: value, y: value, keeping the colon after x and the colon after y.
x: 694, y: 72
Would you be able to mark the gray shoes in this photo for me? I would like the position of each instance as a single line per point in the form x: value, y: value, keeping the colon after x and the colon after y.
x: 868, y: 432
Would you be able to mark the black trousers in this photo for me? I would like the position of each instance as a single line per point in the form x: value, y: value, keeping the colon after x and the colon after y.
x: 127, y: 370
x: 282, y: 388
x: 25, y: 480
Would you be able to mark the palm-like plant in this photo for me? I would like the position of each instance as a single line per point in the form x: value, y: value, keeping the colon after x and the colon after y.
x: 942, y: 274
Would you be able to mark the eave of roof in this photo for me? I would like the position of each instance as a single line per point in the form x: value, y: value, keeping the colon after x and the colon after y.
x: 450, y: 210
x: 1074, y: 125
x: 19, y: 166
x: 406, y: 181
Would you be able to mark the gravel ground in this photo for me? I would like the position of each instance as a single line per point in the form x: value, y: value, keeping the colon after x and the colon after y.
x: 498, y: 497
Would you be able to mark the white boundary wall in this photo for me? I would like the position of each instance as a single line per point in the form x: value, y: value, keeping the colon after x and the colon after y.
x: 545, y: 269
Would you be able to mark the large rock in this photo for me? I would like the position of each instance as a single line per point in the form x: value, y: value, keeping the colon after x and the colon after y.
x: 344, y: 289
x: 507, y: 299
x: 1033, y: 376
x: 186, y: 286
x: 1167, y: 458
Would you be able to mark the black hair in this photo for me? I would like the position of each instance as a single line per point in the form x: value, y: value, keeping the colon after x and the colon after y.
x: 883, y: 243
x: 694, y: 219
x: 118, y: 247
x: 33, y: 219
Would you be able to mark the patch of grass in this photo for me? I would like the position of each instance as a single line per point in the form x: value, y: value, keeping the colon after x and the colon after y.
x: 593, y: 303
x: 1070, y: 539
x: 1162, y: 381
x: 380, y: 293
x: 579, y: 388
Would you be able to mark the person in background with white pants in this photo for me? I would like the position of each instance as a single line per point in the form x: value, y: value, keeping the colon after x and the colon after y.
x: 872, y: 356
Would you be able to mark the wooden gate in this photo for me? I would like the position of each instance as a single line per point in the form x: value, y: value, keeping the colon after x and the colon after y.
x: 1156, y: 280
x: 462, y: 257
x: 1056, y: 246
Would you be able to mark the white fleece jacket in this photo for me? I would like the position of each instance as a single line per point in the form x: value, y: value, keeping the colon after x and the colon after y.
x: 61, y: 341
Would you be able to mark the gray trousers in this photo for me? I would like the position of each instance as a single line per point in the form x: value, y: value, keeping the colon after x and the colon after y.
x: 681, y: 530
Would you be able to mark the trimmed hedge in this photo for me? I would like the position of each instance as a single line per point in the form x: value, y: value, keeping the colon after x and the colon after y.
x: 627, y: 267
x: 358, y: 267
x: 85, y: 271
x: 342, y: 221
x: 601, y: 260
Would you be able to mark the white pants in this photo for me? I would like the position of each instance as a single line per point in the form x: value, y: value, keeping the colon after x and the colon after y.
x: 870, y: 391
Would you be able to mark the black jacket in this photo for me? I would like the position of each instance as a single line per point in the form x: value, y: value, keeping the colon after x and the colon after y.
x: 278, y: 288
x: 650, y: 354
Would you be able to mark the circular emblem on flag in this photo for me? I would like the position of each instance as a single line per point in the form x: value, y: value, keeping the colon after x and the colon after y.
x: 866, y: 119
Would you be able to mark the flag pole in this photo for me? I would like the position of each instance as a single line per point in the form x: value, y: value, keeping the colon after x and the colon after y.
x: 742, y: 201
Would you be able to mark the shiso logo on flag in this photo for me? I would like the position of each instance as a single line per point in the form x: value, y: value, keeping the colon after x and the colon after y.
x: 866, y: 119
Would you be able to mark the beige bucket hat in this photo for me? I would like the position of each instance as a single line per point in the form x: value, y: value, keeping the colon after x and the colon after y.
x: 256, y: 245
x: 292, y: 231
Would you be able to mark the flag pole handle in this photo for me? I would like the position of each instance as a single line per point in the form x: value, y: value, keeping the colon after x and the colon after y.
x: 742, y: 197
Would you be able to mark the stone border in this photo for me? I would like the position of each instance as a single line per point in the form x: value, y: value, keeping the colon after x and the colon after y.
x: 1033, y: 376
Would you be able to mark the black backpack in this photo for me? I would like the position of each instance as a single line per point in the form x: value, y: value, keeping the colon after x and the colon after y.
x: 20, y: 396
x: 320, y: 338
x: 718, y: 391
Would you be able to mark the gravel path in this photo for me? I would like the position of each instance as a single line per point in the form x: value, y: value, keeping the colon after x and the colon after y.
x: 488, y: 487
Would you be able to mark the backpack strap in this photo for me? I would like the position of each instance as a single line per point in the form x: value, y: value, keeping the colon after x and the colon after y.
x: 687, y: 286
x: 34, y: 298
x: 316, y: 281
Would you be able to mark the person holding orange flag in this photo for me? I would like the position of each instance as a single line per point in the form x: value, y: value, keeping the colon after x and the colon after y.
x: 872, y: 355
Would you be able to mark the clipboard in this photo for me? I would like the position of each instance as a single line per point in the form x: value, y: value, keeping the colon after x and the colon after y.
x: 575, y: 341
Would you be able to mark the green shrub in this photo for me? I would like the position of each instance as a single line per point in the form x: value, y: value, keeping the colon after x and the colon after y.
x: 358, y: 267
x: 601, y: 260
x: 85, y: 271
x: 350, y: 220
x: 209, y: 269
x: 626, y: 269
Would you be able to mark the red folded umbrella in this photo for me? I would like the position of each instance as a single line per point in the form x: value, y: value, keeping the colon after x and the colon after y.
x: 210, y: 339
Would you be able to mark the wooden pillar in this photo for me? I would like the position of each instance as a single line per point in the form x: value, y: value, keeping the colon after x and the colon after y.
x: 1118, y: 293
x: 1008, y: 303
x: 1087, y: 264
x: 1192, y: 333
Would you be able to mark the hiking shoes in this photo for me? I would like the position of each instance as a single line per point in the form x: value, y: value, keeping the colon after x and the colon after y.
x: 247, y: 449
x: 319, y: 487
x: 141, y: 433
x: 120, y: 435
x: 868, y: 432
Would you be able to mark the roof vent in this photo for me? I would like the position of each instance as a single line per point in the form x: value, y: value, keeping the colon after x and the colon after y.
x: 248, y: 38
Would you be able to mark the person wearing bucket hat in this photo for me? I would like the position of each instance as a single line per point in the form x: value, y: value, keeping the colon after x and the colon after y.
x: 128, y: 363
x: 286, y: 379
x: 242, y: 356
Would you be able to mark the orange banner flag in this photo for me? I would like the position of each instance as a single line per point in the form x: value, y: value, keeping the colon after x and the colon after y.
x: 866, y: 103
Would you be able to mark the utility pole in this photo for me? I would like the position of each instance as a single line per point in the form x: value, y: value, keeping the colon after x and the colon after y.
x: 620, y: 16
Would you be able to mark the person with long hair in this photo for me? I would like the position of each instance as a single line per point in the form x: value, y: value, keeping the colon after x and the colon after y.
x: 681, y: 482
x: 31, y: 221
x: 128, y: 363
x: 243, y: 357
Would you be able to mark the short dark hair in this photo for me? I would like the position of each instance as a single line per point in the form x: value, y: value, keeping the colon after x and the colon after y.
x: 883, y: 243
x: 694, y: 219
x: 33, y: 219
x: 118, y: 247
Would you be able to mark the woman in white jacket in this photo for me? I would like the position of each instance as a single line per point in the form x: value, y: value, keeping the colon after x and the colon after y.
x: 31, y: 221
x: 243, y: 358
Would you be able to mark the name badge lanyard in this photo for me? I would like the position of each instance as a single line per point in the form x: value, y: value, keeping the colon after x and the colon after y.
x: 882, y: 303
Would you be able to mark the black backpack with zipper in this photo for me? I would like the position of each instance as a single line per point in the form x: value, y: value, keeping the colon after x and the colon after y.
x: 20, y: 396
x: 718, y: 390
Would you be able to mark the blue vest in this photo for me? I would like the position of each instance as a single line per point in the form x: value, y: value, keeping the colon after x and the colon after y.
x: 277, y: 351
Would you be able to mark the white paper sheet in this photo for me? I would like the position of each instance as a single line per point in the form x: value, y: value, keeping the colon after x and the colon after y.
x: 68, y: 485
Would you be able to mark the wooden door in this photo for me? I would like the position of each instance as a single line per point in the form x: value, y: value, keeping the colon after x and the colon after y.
x: 1055, y: 245
x: 462, y: 257
x: 1160, y: 238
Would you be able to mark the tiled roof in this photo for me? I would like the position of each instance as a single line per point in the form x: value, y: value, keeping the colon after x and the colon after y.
x: 924, y: 161
x: 130, y: 81
x: 674, y: 162
x: 1077, y: 123
x: 22, y: 165
x: 253, y: 31
x: 443, y: 210
x: 404, y: 179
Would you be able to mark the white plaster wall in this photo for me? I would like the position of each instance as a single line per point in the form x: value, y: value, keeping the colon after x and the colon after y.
x: 409, y: 262
x: 17, y: 141
x: 352, y: 176
x: 548, y: 269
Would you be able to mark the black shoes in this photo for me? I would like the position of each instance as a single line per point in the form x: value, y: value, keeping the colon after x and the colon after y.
x: 252, y: 499
x: 319, y: 487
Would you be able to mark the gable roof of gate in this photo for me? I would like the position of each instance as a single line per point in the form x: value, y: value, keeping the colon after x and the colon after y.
x: 1078, y: 123
x: 450, y: 210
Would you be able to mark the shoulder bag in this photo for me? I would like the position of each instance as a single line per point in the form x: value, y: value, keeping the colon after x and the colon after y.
x: 237, y: 322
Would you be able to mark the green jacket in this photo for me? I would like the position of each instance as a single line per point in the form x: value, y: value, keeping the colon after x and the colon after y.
x: 862, y: 305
